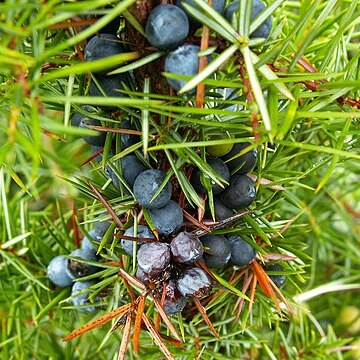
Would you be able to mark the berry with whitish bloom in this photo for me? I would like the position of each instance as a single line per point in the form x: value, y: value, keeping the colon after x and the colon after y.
x: 144, y: 278
x: 242, y: 253
x: 131, y: 168
x: 128, y: 139
x: 102, y: 46
x: 82, y: 299
x: 193, y: 282
x: 240, y: 193
x: 147, y: 184
x: 242, y: 164
x: 263, y: 31
x: 153, y: 258
x: 186, y: 248
x: 217, y: 250
x: 182, y: 61
x: 57, y: 272
x: 167, y: 27
x: 142, y: 232
x: 86, y: 243
x: 220, y: 168
x: 168, y: 219
x: 79, y: 268
x: 218, y: 5
x: 78, y: 117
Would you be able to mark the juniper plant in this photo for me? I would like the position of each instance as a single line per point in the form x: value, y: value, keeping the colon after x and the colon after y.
x: 296, y: 96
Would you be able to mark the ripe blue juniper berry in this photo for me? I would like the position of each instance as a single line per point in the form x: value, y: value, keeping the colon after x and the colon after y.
x: 167, y: 27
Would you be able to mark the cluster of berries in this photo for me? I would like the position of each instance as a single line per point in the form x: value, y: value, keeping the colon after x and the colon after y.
x: 173, y: 258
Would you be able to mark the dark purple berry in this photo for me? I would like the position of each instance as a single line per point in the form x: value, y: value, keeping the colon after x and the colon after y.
x: 242, y: 253
x: 193, y: 282
x: 279, y: 280
x: 217, y: 250
x: 142, y: 232
x: 186, y: 248
x: 222, y: 212
x: 242, y: 164
x: 76, y: 118
x: 109, y: 85
x: 147, y: 184
x: 220, y: 168
x: 144, y: 278
x: 168, y: 219
x: 167, y: 27
x: 174, y: 301
x: 96, y: 140
x: 240, y: 193
x: 153, y: 258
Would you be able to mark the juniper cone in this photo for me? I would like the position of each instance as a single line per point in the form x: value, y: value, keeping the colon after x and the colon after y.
x: 263, y: 31
x: 242, y: 164
x: 242, y: 253
x: 217, y: 250
x: 168, y: 219
x: 167, y: 27
x: 147, y: 184
x: 218, y: 5
x: 142, y: 276
x: 193, y: 282
x: 110, y: 85
x: 128, y: 139
x: 82, y: 299
x: 220, y: 168
x: 142, y: 232
x: 174, y: 301
x: 102, y: 46
x: 279, y: 280
x: 240, y: 193
x: 77, y: 118
x: 57, y: 272
x: 186, y: 248
x: 96, y: 140
x: 153, y: 258
x: 222, y: 212
x: 183, y: 61
x: 79, y: 268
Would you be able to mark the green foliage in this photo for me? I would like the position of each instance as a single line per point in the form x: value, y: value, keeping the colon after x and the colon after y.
x: 308, y: 143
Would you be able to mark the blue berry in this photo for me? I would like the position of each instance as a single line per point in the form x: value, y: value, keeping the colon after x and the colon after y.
x: 167, y: 27
x: 57, y: 272
x: 79, y: 269
x: 242, y: 253
x: 263, y: 31
x: 220, y: 168
x: 102, y: 46
x: 96, y: 140
x: 183, y: 61
x: 147, y: 184
x: 217, y: 250
x: 168, y: 219
x: 128, y: 139
x: 186, y: 248
x: 240, y: 193
x: 222, y: 212
x: 82, y: 299
x: 86, y: 243
x: 153, y: 258
x: 142, y: 232
x: 242, y: 164
x: 110, y: 84
x: 193, y: 282
x: 218, y: 5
